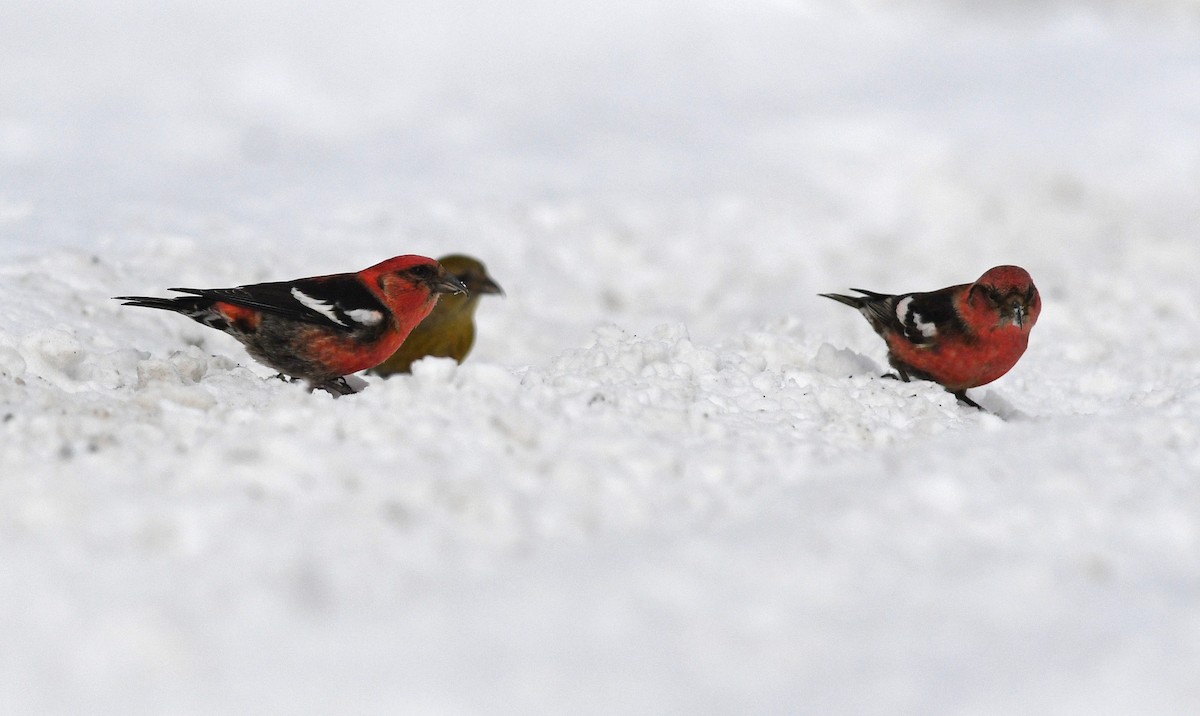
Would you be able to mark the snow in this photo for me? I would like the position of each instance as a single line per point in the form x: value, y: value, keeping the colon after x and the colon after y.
x: 669, y: 479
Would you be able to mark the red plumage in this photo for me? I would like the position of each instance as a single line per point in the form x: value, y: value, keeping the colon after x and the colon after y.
x: 960, y: 336
x: 324, y: 327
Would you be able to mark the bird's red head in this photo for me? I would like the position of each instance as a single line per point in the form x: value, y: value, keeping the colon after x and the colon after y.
x: 1009, y: 293
x: 404, y: 274
x: 410, y: 286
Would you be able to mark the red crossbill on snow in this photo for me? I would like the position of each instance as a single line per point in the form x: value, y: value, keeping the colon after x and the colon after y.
x: 322, y: 328
x: 959, y: 337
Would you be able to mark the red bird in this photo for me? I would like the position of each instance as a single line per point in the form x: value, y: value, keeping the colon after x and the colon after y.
x: 961, y: 336
x: 325, y: 327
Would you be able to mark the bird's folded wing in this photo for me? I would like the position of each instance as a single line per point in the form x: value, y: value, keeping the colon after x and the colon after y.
x: 924, y: 317
x: 338, y: 301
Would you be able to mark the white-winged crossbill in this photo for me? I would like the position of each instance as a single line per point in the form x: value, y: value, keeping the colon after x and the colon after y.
x: 449, y: 329
x: 959, y: 337
x: 322, y: 328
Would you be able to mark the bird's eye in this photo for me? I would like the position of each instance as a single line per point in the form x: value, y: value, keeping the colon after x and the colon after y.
x: 424, y: 271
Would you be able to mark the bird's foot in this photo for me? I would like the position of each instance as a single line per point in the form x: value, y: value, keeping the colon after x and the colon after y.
x: 962, y: 398
x: 335, y: 387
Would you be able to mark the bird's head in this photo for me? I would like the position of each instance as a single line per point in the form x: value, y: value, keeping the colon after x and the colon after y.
x: 403, y: 274
x: 474, y: 276
x: 1009, y: 292
x: 472, y: 273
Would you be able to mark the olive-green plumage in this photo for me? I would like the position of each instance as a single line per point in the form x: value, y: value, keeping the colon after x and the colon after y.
x: 449, y: 330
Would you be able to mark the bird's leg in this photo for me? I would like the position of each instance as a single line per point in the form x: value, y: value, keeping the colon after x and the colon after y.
x: 284, y: 378
x: 962, y: 398
x: 334, y: 386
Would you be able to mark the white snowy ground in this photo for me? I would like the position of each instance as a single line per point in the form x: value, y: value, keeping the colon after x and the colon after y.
x: 669, y: 479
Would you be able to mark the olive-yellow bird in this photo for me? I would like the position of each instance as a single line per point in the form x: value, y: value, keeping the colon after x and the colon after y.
x: 449, y: 330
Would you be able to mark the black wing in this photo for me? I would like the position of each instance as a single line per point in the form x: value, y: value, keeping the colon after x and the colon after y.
x: 338, y: 301
x: 919, y: 317
x: 924, y: 316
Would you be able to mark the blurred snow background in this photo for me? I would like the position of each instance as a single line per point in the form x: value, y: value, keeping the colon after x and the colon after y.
x: 668, y: 479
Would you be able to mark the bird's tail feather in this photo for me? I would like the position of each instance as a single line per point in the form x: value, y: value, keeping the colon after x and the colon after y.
x: 872, y: 295
x: 851, y: 301
x: 182, y: 304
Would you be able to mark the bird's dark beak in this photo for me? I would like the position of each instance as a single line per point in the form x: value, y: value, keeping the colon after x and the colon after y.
x: 1016, y: 311
x: 448, y: 284
x: 489, y: 286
